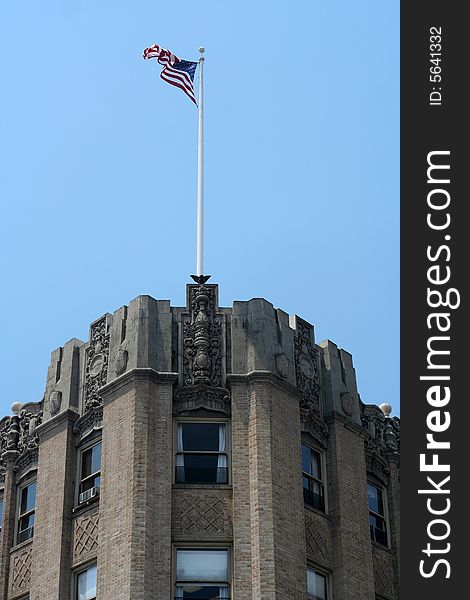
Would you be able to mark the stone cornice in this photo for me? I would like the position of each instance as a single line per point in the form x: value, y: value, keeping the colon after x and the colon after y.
x: 137, y: 374
x: 65, y: 417
x: 354, y: 427
x: 264, y: 377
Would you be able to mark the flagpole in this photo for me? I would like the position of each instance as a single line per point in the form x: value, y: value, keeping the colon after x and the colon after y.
x: 200, y: 174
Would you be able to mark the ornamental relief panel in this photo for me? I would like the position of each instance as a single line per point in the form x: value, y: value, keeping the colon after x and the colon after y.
x: 96, y: 363
x: 306, y: 367
x: 203, y: 514
x: 383, y: 571
x: 85, y: 537
x: 202, y: 343
x: 20, y: 579
x: 317, y: 538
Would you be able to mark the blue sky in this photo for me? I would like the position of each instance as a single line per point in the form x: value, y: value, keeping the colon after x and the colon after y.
x: 98, y: 170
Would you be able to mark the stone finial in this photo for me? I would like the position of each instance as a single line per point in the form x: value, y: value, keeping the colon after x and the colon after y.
x: 16, y: 407
x: 386, y: 408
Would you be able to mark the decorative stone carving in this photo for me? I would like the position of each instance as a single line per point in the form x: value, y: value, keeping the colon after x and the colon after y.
x: 55, y: 400
x: 2, y: 472
x: 198, y: 514
x: 19, y: 431
x: 382, y: 442
x: 282, y: 365
x: 194, y: 398
x: 316, y: 539
x: 21, y: 574
x: 120, y: 361
x: 96, y: 363
x: 28, y: 438
x: 383, y: 572
x: 85, y: 536
x: 90, y: 421
x: 306, y: 366
x: 202, y: 338
x: 311, y: 423
x: 347, y: 403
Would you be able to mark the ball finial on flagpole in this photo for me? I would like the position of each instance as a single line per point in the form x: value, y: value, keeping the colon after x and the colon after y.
x: 201, y: 49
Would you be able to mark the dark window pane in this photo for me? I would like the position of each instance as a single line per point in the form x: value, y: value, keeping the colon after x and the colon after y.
x: 201, y: 468
x: 316, y: 464
x: 201, y: 436
x: 27, y: 522
x: 28, y: 498
x: 311, y: 462
x: 198, y: 592
x: 306, y: 461
x: 378, y: 531
x: 89, y: 483
x: 375, y: 499
x: 91, y: 461
x: 86, y: 463
x: 313, y: 499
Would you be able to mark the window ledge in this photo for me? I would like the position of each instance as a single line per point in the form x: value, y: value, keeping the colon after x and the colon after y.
x: 317, y: 511
x: 202, y: 486
x: 22, y: 545
x: 381, y: 546
x: 85, y: 505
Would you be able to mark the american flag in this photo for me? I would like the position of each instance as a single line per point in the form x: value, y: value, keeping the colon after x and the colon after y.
x: 177, y: 72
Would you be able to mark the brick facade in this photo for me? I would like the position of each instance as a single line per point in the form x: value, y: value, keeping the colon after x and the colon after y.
x: 150, y: 366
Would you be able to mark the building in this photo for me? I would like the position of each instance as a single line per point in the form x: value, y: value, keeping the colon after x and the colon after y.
x: 199, y: 452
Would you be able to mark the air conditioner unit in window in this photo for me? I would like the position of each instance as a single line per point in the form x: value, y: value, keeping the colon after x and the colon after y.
x: 89, y: 494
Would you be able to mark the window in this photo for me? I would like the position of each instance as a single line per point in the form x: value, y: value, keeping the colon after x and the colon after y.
x: 377, y: 523
x: 316, y: 585
x: 90, y: 472
x: 312, y: 478
x: 202, y: 574
x: 26, y: 515
x: 201, y: 455
x: 1, y: 510
x: 86, y: 584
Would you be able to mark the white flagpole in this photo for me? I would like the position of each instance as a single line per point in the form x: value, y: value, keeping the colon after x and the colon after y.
x: 200, y: 174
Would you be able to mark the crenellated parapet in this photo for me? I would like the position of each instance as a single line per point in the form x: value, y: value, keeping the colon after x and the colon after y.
x: 203, y: 343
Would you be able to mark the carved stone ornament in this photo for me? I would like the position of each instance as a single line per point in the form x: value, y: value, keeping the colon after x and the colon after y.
x: 383, y: 572
x: 96, y: 363
x: 306, y: 366
x: 55, y: 400
x: 85, y: 542
x: 120, y: 359
x: 202, y: 338
x: 312, y: 424
x: 91, y: 421
x: 18, y: 434
x: 382, y: 442
x: 282, y: 365
x: 196, y: 397
x: 21, y: 572
x: 316, y: 538
x: 200, y: 515
x: 347, y: 403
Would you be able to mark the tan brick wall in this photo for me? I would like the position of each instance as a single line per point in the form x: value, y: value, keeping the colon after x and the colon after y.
x: 54, y: 502
x: 267, y: 495
x: 352, y: 577
x: 135, y: 500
